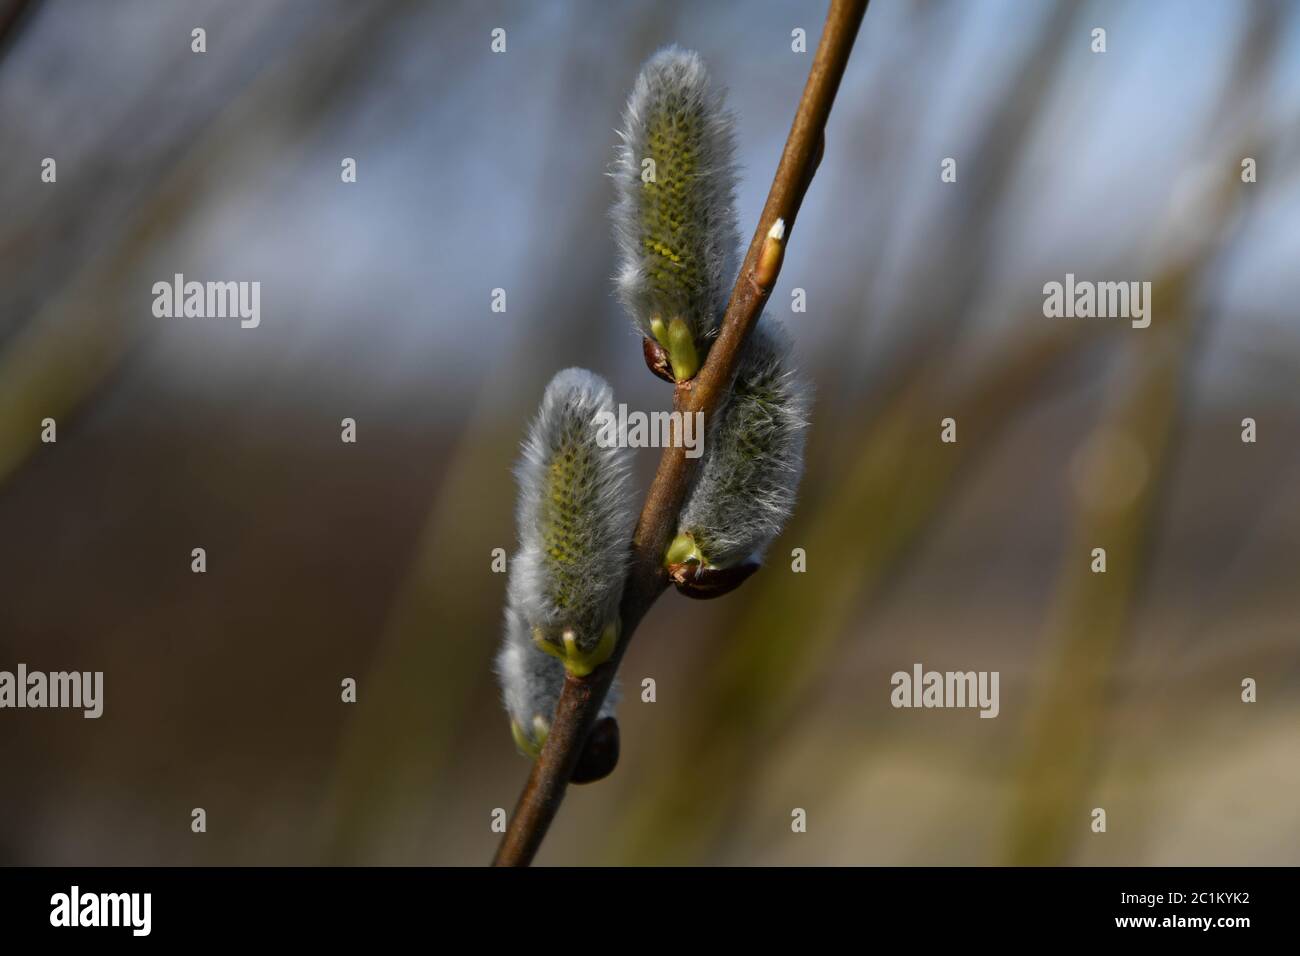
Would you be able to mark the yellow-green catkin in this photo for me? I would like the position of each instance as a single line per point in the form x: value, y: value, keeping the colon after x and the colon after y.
x: 575, y: 522
x: 753, y: 460
x: 675, y: 219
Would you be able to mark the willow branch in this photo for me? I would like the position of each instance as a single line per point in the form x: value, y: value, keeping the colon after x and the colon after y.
x: 12, y: 17
x: 582, y: 696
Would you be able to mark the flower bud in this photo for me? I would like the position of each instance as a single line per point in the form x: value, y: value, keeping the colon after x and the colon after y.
x: 675, y: 219
x: 575, y: 523
x: 599, y: 754
x: 751, y: 471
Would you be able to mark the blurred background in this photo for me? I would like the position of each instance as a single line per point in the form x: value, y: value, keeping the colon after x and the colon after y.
x: 373, y: 560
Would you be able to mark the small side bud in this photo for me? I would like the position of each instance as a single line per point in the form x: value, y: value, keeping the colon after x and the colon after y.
x: 769, y: 258
x: 575, y: 522
x: 754, y: 460
x: 676, y: 231
x: 579, y: 659
x: 656, y: 359
x: 683, y: 550
x: 682, y: 354
x: 675, y: 345
x: 695, y: 580
x: 599, y: 756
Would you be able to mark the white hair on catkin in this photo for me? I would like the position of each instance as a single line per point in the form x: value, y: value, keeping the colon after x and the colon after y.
x: 531, y: 682
x: 754, y: 455
x: 677, y: 236
x: 574, y: 514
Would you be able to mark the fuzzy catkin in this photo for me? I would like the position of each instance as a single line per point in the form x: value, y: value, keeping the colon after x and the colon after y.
x: 677, y: 234
x: 574, y: 516
x: 531, y: 682
x: 753, y: 456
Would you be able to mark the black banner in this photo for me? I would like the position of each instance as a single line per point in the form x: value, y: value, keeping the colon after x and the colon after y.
x: 331, y: 905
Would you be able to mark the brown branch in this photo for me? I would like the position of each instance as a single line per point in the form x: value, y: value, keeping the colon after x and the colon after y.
x: 647, y: 579
x: 13, y: 16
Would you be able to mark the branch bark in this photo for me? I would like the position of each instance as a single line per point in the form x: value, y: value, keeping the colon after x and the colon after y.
x: 647, y: 579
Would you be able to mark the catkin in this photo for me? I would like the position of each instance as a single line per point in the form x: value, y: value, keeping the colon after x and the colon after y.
x: 575, y: 522
x: 753, y: 458
x: 674, y: 219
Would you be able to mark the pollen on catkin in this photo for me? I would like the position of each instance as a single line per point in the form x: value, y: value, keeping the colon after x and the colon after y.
x: 575, y: 522
x: 531, y: 682
x: 675, y: 219
x: 753, y: 460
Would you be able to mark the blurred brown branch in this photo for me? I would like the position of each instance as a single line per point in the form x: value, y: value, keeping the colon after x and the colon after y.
x: 12, y: 16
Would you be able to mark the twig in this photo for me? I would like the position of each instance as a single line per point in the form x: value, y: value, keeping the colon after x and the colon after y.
x: 12, y: 16
x: 582, y: 697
